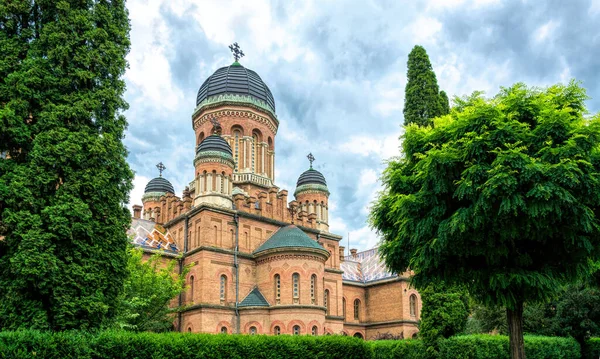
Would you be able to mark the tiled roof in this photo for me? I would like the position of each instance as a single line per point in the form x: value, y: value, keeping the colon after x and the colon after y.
x: 289, y: 236
x: 365, y: 267
x: 148, y: 234
x: 254, y: 299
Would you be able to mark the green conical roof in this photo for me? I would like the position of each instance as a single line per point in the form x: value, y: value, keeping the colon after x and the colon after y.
x: 289, y: 237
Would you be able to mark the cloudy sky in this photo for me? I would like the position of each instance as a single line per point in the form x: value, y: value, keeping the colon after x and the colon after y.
x: 337, y: 70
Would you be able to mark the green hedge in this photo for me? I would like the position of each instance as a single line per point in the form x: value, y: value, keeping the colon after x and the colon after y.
x: 591, y: 349
x: 405, y: 349
x: 126, y: 345
x: 496, y: 347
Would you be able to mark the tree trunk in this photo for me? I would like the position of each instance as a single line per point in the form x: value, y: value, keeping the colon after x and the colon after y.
x: 515, y: 331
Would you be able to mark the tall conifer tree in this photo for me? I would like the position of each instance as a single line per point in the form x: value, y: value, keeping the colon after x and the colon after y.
x: 444, y: 103
x: 422, y: 98
x: 64, y: 178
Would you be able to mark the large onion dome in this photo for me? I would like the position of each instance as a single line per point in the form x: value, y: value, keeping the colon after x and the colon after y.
x: 290, y: 238
x: 214, y: 143
x: 236, y: 80
x: 159, y: 184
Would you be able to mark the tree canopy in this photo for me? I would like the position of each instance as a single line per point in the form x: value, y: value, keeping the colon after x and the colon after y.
x: 501, y: 195
x: 64, y: 178
x: 422, y: 100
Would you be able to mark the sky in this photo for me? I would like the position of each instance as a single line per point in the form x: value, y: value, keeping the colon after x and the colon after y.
x: 337, y: 70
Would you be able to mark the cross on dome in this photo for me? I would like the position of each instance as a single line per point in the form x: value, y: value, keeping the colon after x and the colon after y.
x: 161, y: 168
x: 311, y: 159
x: 236, y: 51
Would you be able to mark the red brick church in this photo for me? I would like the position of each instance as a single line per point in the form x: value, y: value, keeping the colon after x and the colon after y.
x: 263, y: 262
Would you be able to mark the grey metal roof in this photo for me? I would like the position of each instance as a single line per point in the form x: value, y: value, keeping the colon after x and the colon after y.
x: 289, y: 237
x: 254, y: 299
x: 311, y: 176
x: 236, y: 79
x: 214, y: 143
x: 159, y: 184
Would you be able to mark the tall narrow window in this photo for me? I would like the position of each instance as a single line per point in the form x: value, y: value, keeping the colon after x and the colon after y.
x: 276, y: 330
x: 236, y: 149
x: 326, y: 301
x: 254, y: 151
x: 344, y: 308
x: 296, y: 330
x: 356, y: 309
x: 223, y: 290
x: 252, y: 330
x: 413, y: 305
x: 191, y: 289
x: 313, y: 288
x: 277, y: 289
x: 223, y: 330
x: 296, y: 287
x: 315, y: 331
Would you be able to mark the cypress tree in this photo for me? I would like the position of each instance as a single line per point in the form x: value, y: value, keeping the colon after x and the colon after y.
x: 64, y: 178
x: 444, y: 103
x: 422, y: 99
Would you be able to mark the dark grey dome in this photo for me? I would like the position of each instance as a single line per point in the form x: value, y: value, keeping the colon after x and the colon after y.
x: 311, y: 176
x: 235, y: 79
x: 159, y: 184
x: 214, y: 143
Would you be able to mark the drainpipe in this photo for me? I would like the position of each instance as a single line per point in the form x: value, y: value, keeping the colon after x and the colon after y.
x: 185, y: 249
x: 237, y: 271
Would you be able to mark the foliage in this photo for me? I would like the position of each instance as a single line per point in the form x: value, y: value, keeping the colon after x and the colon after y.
x: 65, y: 179
x: 487, y: 196
x: 392, y: 349
x: 496, y: 347
x: 444, y: 314
x: 150, y: 286
x: 445, y: 103
x: 591, y: 350
x: 422, y: 99
x: 128, y: 345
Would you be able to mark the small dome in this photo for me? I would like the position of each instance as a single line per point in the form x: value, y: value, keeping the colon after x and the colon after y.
x: 289, y: 237
x: 311, y: 176
x: 159, y: 184
x: 214, y: 143
x: 236, y: 79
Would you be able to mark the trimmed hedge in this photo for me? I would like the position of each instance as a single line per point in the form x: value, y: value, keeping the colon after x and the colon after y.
x: 591, y: 349
x: 405, y: 349
x: 496, y: 347
x: 127, y: 345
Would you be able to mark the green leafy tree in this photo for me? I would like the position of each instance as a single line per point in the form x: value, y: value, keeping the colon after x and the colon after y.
x: 444, y: 314
x: 64, y: 178
x: 444, y: 103
x: 150, y: 287
x: 500, y: 196
x: 422, y: 99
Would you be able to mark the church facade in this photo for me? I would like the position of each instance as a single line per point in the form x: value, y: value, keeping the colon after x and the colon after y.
x: 262, y: 261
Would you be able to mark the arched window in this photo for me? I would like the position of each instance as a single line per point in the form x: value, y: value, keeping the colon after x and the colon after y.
x: 189, y: 329
x: 214, y: 181
x: 276, y: 330
x: 296, y: 330
x: 223, y: 330
x: 414, y: 336
x: 223, y: 183
x: 200, y: 137
x: 252, y: 330
x: 236, y: 148
x: 344, y: 308
x: 254, y: 151
x: 223, y: 289
x: 356, y: 309
x: 296, y: 287
x: 313, y: 288
x: 326, y: 301
x: 277, y: 289
x: 413, y: 305
x: 315, y: 330
x: 191, y: 289
x: 358, y: 335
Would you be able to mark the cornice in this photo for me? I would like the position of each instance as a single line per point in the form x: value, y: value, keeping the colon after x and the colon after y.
x: 199, y: 118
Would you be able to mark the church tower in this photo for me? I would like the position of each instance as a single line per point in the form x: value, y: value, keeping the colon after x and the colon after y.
x: 312, y: 196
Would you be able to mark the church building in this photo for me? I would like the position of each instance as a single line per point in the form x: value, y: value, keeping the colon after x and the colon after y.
x: 262, y: 261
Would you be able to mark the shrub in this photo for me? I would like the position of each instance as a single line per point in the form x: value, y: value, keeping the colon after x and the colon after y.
x: 591, y: 350
x: 404, y: 349
x: 496, y: 347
